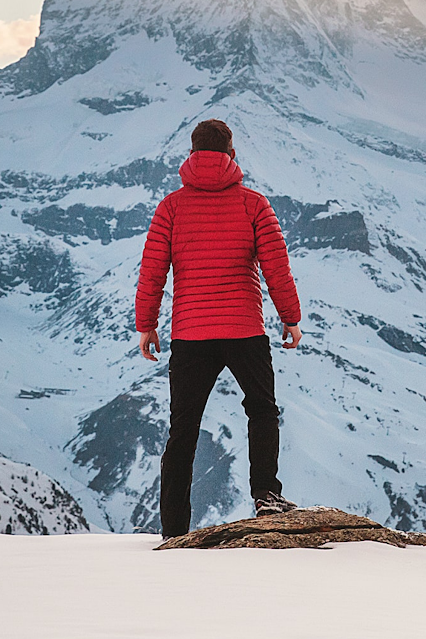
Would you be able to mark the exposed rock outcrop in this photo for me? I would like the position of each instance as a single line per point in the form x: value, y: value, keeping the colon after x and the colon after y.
x: 300, y: 528
x: 32, y: 503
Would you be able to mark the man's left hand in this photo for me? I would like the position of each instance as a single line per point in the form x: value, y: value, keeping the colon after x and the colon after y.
x: 295, y: 333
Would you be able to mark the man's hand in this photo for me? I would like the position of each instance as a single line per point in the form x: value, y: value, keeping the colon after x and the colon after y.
x: 151, y: 337
x: 295, y: 333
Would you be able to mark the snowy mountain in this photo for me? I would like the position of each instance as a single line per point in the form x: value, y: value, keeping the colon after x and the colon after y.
x: 326, y: 101
x: 32, y: 503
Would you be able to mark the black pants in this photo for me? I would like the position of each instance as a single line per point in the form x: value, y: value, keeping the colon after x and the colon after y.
x: 194, y: 368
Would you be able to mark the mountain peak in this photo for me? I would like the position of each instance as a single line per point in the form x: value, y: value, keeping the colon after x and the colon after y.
x: 312, y: 37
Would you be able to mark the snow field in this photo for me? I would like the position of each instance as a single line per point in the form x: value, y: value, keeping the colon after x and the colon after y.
x: 114, y: 586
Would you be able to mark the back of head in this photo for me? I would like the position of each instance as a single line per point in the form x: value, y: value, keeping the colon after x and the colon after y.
x: 212, y: 135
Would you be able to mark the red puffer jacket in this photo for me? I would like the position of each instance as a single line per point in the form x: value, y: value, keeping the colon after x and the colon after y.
x: 213, y: 231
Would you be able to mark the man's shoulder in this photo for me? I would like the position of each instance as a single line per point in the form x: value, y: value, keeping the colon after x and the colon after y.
x: 170, y: 201
x: 255, y: 198
x: 172, y: 197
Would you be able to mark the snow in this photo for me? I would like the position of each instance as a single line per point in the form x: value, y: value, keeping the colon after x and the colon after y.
x: 418, y: 9
x: 98, y: 586
x: 333, y: 208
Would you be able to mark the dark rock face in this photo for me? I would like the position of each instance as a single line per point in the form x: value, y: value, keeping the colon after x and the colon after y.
x: 38, y: 265
x: 393, y: 336
x: 154, y: 175
x: 306, y: 228
x: 123, y: 102
x: 405, y: 515
x: 414, y: 263
x: 385, y: 463
x: 95, y: 222
x: 37, y: 505
x: 99, y: 136
x: 109, y: 438
x: 298, y: 528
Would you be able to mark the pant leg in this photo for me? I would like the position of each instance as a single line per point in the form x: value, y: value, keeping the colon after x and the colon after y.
x: 194, y: 368
x: 250, y: 362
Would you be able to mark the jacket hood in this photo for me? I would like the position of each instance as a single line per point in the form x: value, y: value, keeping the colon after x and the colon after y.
x: 210, y: 171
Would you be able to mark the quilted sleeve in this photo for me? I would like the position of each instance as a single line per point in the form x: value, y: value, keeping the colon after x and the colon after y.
x: 155, y: 265
x: 272, y: 254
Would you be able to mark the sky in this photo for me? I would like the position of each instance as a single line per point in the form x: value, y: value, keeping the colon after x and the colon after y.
x: 19, y: 25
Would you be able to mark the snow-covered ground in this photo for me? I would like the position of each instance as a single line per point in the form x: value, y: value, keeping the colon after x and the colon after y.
x: 114, y: 586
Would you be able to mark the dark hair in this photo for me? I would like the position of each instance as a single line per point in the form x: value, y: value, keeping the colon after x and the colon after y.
x: 212, y: 135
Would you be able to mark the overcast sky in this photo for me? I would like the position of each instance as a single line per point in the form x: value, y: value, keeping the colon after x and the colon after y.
x: 19, y: 23
x: 15, y: 9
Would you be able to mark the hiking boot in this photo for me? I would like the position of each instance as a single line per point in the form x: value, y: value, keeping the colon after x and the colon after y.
x: 271, y: 504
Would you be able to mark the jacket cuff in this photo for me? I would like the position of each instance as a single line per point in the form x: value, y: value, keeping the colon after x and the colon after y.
x: 141, y: 328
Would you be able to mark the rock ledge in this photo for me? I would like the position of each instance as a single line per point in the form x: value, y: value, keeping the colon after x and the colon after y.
x: 299, y: 528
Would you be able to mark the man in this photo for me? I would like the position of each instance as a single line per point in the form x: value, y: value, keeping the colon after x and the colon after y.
x: 214, y: 231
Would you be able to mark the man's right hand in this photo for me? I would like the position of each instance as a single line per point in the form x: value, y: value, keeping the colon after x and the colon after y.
x: 295, y: 333
x: 151, y: 337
